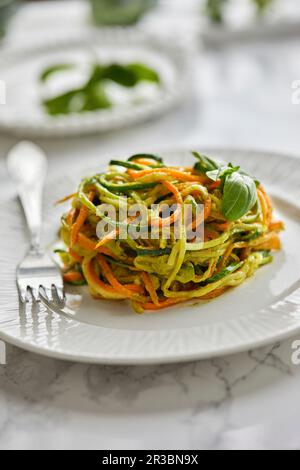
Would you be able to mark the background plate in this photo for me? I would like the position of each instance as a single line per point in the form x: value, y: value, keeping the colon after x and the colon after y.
x: 263, y: 310
x: 21, y: 68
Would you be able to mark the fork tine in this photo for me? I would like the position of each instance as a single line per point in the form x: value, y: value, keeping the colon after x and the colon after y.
x: 35, y: 294
x: 58, y: 294
x: 43, y: 277
x: 23, y: 295
x: 44, y: 293
x: 62, y: 295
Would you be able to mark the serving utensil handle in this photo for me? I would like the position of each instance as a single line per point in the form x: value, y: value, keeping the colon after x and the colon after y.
x: 27, y: 167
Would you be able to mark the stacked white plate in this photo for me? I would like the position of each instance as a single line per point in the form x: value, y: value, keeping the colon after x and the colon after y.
x: 20, y: 68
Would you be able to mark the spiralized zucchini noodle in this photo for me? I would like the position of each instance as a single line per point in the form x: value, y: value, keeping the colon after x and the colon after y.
x: 239, y: 232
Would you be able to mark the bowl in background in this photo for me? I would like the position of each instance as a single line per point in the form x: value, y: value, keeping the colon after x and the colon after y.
x: 119, y: 12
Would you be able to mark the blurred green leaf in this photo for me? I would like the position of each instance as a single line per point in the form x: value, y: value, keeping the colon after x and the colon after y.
x: 262, y: 5
x: 124, y: 75
x: 144, y: 73
x: 61, y: 104
x: 92, y: 96
x: 214, y: 10
x: 95, y: 99
x: 47, y: 73
x: 120, y: 74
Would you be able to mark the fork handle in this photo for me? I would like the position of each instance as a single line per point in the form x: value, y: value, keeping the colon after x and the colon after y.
x: 31, y: 199
x: 27, y: 166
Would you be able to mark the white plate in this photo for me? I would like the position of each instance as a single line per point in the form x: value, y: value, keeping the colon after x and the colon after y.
x: 24, y: 115
x: 263, y: 310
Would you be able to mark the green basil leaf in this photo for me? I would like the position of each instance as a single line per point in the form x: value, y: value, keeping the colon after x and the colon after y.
x: 96, y: 75
x: 91, y: 96
x: 48, y: 72
x: 250, y: 176
x: 222, y: 172
x: 63, y: 104
x: 213, y: 175
x: 129, y: 75
x: 205, y: 164
x: 144, y: 73
x: 121, y: 75
x: 95, y: 99
x: 239, y: 196
x: 78, y: 101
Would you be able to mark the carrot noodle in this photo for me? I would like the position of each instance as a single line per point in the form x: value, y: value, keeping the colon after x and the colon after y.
x: 65, y: 199
x: 75, y: 255
x: 204, y: 215
x: 150, y: 288
x: 161, y: 305
x: 71, y: 216
x: 265, y: 206
x: 112, y: 279
x: 174, y: 217
x: 214, y: 185
x: 73, y: 276
x: 175, y: 174
x: 80, y: 221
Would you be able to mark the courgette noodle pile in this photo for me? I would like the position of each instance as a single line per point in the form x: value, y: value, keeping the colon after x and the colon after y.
x: 239, y: 232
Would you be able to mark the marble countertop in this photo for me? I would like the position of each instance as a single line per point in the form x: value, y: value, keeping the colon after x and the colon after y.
x: 247, y: 401
x: 241, y: 98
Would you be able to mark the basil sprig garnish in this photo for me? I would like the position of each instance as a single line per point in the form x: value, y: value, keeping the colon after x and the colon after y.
x: 222, y: 172
x: 239, y: 189
x: 205, y: 164
x: 92, y: 95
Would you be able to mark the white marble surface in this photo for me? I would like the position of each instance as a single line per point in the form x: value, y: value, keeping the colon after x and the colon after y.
x: 242, y: 98
x: 246, y: 401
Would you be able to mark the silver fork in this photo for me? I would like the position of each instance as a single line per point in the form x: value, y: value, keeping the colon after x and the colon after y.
x: 37, y: 275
